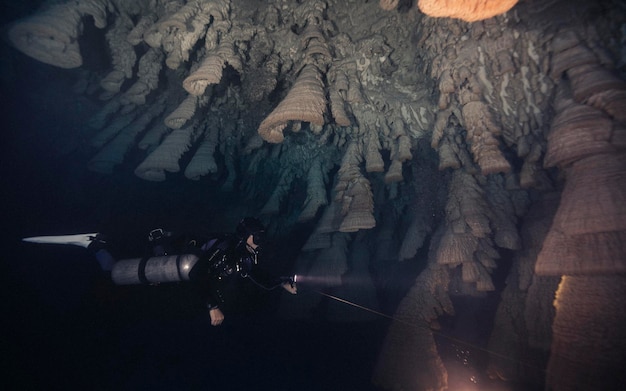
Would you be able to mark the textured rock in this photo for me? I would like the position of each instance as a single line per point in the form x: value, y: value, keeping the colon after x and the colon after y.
x: 373, y: 117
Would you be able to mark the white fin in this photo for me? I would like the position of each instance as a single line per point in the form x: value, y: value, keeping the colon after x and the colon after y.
x: 82, y: 240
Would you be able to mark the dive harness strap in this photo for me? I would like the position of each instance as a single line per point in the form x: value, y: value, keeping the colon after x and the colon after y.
x: 178, y: 259
x: 141, y: 270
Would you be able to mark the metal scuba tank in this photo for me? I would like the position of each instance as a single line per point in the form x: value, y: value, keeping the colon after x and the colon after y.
x: 167, y: 268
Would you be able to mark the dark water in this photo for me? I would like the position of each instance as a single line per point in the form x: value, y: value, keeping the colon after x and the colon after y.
x: 72, y: 329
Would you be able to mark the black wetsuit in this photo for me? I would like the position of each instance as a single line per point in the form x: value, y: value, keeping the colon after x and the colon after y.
x: 223, y: 261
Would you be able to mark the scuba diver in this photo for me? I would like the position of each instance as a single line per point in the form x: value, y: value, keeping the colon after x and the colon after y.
x: 215, y: 263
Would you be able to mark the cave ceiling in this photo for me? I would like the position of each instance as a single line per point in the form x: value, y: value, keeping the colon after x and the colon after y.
x: 387, y: 116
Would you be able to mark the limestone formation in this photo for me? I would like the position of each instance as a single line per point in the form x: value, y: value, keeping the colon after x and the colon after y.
x: 383, y: 127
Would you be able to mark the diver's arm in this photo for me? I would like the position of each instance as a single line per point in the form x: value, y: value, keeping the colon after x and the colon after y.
x: 264, y: 280
x: 214, y: 299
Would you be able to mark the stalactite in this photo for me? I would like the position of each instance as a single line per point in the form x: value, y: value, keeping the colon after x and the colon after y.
x: 101, y: 118
x: 135, y: 36
x: 203, y: 161
x: 183, y: 113
x: 111, y: 130
x: 492, y: 97
x: 148, y: 78
x: 316, y: 191
x: 209, y: 71
x: 331, y: 263
x: 51, y: 35
x: 114, y: 152
x: 122, y: 53
x: 272, y: 206
x: 354, y: 193
x: 357, y: 287
x: 503, y: 218
x: 153, y: 137
x: 422, y: 209
x: 468, y: 232
x: 165, y: 158
x: 304, y: 102
x: 373, y: 159
x: 481, y: 130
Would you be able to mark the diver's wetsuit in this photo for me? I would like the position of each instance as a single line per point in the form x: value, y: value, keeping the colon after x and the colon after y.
x: 221, y: 261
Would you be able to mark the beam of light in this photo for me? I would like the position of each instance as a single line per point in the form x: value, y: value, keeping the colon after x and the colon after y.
x: 463, y: 381
x: 323, y: 280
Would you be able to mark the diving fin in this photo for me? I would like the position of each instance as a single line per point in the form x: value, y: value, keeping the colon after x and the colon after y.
x: 82, y: 240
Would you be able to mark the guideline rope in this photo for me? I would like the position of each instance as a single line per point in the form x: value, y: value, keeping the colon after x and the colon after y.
x: 443, y: 335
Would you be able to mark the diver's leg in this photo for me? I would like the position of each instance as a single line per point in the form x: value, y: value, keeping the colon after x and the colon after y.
x: 104, y: 257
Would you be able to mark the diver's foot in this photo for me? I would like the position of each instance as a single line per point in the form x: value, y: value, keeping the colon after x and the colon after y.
x: 98, y: 242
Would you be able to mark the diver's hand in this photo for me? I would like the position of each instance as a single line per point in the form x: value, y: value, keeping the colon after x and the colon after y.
x: 217, y: 317
x: 291, y: 287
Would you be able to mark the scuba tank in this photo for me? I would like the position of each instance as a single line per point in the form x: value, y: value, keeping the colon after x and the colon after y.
x: 166, y: 268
